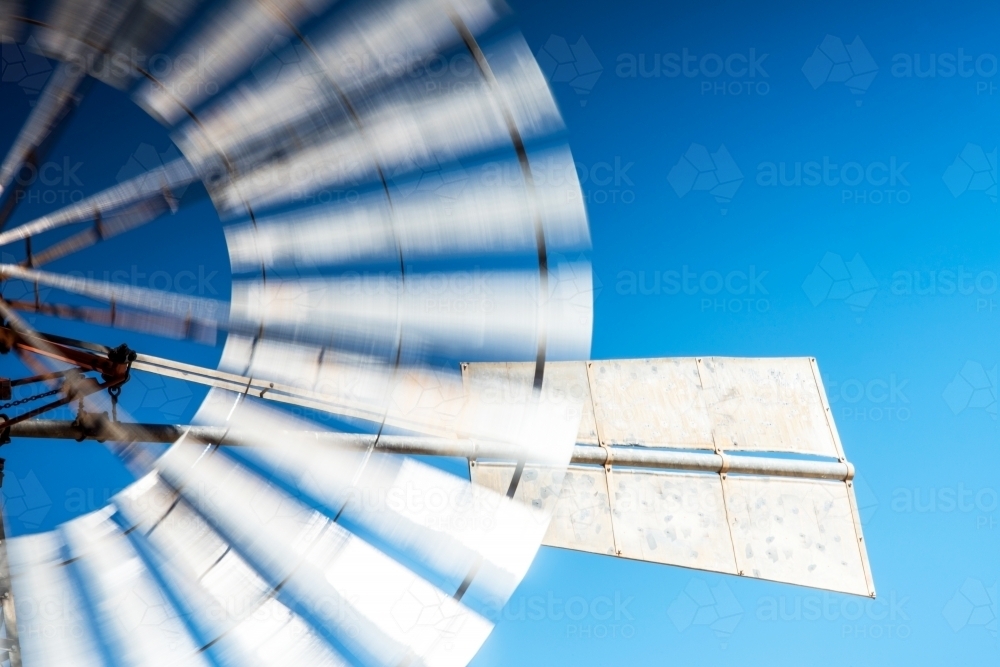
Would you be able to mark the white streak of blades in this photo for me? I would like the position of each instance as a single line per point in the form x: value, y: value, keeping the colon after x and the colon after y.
x: 159, y: 182
x: 232, y: 38
x: 495, y: 408
x: 201, y: 310
x: 138, y: 617
x: 480, y: 211
x: 374, y: 42
x: 10, y: 29
x: 405, y: 127
x: 57, y: 94
x: 61, y: 635
x: 79, y: 31
x: 440, y: 520
x: 230, y: 602
x: 150, y: 25
x: 325, y: 568
x: 469, y: 315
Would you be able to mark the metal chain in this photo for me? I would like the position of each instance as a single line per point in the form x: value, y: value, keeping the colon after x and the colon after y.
x: 27, y: 399
x: 115, y: 392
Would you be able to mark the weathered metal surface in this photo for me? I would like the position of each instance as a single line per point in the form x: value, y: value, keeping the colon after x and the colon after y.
x: 798, y: 531
x: 581, y: 515
x: 42, y: 580
x: 766, y: 405
x: 716, y: 403
x: 672, y: 518
x: 652, y: 402
x: 564, y: 381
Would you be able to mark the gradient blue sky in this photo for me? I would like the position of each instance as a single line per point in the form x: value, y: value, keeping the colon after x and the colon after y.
x: 909, y: 350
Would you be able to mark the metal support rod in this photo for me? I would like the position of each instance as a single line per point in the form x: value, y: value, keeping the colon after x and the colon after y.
x: 628, y: 457
x: 11, y: 642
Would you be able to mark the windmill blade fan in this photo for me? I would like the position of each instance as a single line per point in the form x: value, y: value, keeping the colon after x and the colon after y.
x: 294, y: 548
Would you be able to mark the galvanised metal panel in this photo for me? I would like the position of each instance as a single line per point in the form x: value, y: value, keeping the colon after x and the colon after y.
x: 672, y: 518
x: 768, y: 405
x: 651, y: 402
x: 509, y: 381
x: 581, y: 513
x: 782, y: 529
x: 717, y: 403
x: 797, y: 531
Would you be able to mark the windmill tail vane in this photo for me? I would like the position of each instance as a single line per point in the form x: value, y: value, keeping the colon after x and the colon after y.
x: 309, y: 511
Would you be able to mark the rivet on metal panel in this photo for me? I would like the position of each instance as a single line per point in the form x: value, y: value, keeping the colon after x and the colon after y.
x: 609, y: 482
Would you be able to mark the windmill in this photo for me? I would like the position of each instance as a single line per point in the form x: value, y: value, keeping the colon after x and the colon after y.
x: 262, y: 535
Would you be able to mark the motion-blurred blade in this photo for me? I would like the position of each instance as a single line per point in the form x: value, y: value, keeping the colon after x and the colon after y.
x: 233, y: 607
x: 119, y: 318
x: 482, y: 211
x: 230, y: 40
x: 497, y: 404
x: 51, y: 104
x: 120, y: 222
x: 474, y: 315
x: 203, y: 311
x: 135, y: 614
x: 156, y: 184
x: 392, y: 133
x: 149, y: 26
x: 372, y: 43
x: 321, y: 566
x: 10, y: 27
x: 78, y: 32
x: 463, y: 535
x: 41, y: 580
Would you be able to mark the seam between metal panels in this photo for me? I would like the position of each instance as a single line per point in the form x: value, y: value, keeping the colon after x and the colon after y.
x: 722, y: 473
x: 859, y: 537
x: 609, y: 483
x: 827, y: 411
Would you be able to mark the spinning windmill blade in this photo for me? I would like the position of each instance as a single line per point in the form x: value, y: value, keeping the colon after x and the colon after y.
x: 260, y: 535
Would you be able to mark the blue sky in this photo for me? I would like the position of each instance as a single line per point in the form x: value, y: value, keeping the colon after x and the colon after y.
x: 882, y: 260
